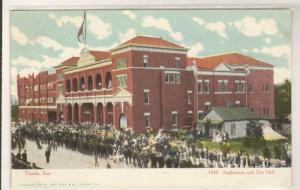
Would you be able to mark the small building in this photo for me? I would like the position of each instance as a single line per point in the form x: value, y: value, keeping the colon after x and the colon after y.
x: 230, y: 120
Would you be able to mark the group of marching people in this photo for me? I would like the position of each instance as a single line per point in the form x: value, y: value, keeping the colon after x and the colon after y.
x: 147, y: 150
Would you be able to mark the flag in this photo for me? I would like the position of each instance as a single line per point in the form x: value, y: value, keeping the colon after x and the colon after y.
x: 80, y: 32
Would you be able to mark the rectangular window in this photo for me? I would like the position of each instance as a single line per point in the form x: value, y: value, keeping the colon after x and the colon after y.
x: 35, y: 87
x: 265, y: 87
x: 225, y: 85
x: 199, y: 86
x: 174, y: 118
x: 220, y: 83
x: 200, y: 113
x: 167, y: 78
x: 177, y: 78
x: 206, y: 87
x: 60, y: 89
x: 172, y: 79
x: 242, y: 88
x: 250, y: 87
x: 232, y: 130
x: 207, y: 105
x: 147, y: 119
x: 122, y: 63
x: 122, y: 81
x: 146, y: 96
x: 237, y: 86
x: 189, y: 96
x: 145, y: 61
x: 60, y: 76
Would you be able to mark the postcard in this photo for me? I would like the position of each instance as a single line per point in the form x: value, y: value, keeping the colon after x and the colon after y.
x: 150, y: 98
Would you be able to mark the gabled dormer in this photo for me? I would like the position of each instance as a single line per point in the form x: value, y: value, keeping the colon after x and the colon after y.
x: 223, y: 66
x: 86, y: 58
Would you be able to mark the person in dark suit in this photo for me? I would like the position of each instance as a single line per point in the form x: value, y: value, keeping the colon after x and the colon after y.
x: 47, y: 154
x: 24, y: 156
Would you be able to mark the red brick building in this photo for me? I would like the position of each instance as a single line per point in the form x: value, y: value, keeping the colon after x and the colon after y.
x: 145, y: 82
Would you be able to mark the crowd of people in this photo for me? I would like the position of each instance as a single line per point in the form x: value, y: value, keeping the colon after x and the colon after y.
x: 162, y: 149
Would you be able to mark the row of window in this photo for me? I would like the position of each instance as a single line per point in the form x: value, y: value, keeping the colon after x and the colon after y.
x: 172, y: 77
x: 36, y: 88
x: 173, y: 119
x: 44, y: 100
x: 264, y: 111
x: 239, y: 86
x: 89, y: 85
x: 121, y: 63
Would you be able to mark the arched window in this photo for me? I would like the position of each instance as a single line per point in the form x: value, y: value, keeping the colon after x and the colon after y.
x: 90, y: 83
x: 82, y: 84
x: 68, y: 85
x: 75, y: 85
x: 98, y: 81
x: 108, y: 80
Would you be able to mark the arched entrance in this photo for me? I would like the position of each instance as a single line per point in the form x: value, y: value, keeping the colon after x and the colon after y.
x: 87, y: 112
x: 123, y: 121
x: 69, y: 118
x: 100, y: 113
x: 76, y: 113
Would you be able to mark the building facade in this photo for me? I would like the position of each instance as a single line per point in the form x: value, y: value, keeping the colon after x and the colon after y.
x: 145, y: 82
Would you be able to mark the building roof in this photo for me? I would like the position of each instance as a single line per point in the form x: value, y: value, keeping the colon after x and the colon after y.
x: 69, y: 62
x: 212, y: 62
x: 232, y: 113
x: 100, y: 55
x: 151, y: 41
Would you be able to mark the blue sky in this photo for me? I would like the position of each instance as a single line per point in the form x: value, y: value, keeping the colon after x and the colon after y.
x: 42, y: 39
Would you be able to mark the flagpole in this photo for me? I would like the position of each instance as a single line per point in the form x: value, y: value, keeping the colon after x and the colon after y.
x: 85, y: 29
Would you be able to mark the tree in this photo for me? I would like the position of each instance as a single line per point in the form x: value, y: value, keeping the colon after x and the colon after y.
x: 283, y: 99
x: 14, y: 112
x: 253, y: 129
x: 267, y: 152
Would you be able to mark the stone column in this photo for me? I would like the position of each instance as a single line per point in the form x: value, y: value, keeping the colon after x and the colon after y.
x: 95, y: 113
x: 73, y: 113
x: 79, y: 113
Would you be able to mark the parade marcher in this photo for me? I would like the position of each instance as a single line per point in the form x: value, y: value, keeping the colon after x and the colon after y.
x: 24, y: 156
x: 19, y: 155
x: 47, y: 155
x: 96, y: 159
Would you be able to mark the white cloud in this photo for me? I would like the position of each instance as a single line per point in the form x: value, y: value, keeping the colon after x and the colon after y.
x: 218, y: 27
x: 161, y: 24
x: 177, y: 36
x: 199, y: 20
x: 267, y: 40
x: 60, y: 21
x: 25, y: 62
x: 130, y: 33
x: 13, y: 79
x: 275, y: 51
x: 281, y: 74
x: 94, y: 24
x: 130, y: 14
x: 47, y: 43
x: 245, y: 50
x: 18, y: 36
x: 98, y: 27
x: 249, y: 26
x: 195, y: 49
